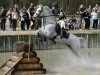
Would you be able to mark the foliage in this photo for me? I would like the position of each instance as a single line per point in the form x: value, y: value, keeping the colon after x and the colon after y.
x: 70, y: 6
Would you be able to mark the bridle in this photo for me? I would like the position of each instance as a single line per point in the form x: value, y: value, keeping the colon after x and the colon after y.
x: 42, y: 16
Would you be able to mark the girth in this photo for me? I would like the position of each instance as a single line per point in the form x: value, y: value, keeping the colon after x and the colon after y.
x: 65, y: 34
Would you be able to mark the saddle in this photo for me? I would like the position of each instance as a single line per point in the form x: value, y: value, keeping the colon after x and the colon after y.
x: 61, y: 31
x: 58, y: 29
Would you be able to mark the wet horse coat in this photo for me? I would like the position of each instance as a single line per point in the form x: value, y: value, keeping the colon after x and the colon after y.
x: 47, y: 30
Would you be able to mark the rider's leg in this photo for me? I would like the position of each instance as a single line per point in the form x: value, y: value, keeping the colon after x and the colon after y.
x: 61, y: 33
x: 47, y: 32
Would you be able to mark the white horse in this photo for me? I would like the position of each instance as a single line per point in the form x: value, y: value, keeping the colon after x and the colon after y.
x: 47, y: 30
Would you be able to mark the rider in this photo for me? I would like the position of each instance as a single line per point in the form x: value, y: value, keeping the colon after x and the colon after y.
x: 31, y: 11
x: 55, y: 8
x: 62, y: 23
x: 61, y: 14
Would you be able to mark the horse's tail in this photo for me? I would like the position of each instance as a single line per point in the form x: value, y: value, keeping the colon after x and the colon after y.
x: 83, y: 42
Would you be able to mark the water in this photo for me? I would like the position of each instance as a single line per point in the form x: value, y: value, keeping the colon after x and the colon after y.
x: 4, y: 56
x: 58, y: 59
x: 64, y: 62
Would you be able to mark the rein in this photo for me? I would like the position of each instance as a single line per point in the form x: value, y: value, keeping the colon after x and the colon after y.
x: 45, y: 16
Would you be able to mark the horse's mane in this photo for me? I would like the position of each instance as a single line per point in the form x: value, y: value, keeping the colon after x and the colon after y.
x: 47, y: 8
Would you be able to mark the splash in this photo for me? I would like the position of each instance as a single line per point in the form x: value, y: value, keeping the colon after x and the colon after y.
x: 65, y: 59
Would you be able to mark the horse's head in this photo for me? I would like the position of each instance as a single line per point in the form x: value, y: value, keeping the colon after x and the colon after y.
x: 48, y: 21
x: 38, y: 11
x: 42, y: 11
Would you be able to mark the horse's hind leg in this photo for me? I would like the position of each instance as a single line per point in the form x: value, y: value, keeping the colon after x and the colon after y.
x: 75, y: 44
x: 72, y: 50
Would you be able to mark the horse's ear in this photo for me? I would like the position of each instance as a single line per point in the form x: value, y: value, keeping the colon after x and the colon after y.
x: 41, y: 5
x: 37, y: 6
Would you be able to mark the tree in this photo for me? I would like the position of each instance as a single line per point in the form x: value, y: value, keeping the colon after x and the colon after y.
x: 69, y: 6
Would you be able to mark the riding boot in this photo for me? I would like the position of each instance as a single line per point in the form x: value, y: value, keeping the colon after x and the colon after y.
x: 61, y: 33
x: 58, y: 29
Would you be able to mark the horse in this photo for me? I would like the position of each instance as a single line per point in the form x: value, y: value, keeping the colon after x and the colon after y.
x: 49, y: 30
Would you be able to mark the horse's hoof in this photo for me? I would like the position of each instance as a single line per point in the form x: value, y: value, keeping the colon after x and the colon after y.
x: 61, y: 37
x: 45, y: 39
x: 39, y: 39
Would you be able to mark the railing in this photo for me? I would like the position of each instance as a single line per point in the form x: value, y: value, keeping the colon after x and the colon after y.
x: 6, y: 42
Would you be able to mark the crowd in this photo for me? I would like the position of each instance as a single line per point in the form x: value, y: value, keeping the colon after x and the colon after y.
x: 14, y: 14
x: 85, y: 18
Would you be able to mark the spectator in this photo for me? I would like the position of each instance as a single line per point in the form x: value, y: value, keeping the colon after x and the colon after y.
x: 25, y: 18
x: 61, y: 14
x: 72, y: 23
x: 17, y: 9
x: 9, y: 15
x: 89, y: 9
x: 98, y: 11
x: 94, y: 16
x: 14, y: 19
x: 55, y: 8
x: 31, y: 12
x: 3, y: 18
x: 95, y: 8
x: 87, y: 17
x: 80, y: 13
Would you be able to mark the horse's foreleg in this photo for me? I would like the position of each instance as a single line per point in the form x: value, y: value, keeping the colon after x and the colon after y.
x: 40, y: 37
x: 53, y: 39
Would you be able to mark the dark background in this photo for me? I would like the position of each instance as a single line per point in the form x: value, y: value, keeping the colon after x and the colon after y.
x: 69, y: 6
